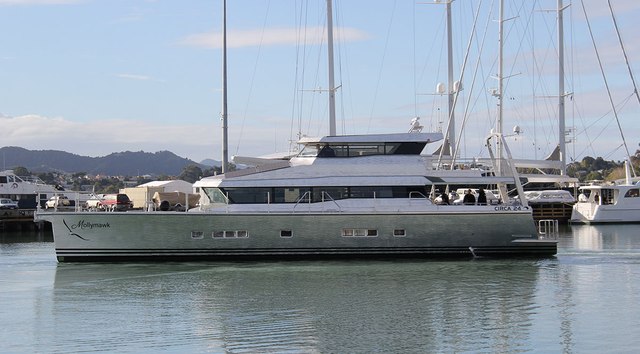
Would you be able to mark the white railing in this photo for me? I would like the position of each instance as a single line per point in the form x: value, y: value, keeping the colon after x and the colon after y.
x: 548, y: 228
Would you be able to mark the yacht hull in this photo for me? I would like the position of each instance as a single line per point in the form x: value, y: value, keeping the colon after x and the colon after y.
x: 485, y: 231
x: 589, y: 213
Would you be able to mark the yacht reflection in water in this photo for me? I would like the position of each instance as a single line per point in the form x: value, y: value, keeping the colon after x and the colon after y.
x: 331, y: 306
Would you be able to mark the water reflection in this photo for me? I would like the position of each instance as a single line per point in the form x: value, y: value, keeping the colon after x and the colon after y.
x: 299, y: 306
x: 606, y: 237
x: 25, y: 236
x: 583, y: 300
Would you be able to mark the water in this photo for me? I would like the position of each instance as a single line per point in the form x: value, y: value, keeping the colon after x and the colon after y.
x: 584, y: 300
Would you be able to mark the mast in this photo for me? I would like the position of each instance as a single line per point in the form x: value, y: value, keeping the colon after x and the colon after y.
x: 332, y: 90
x: 225, y: 142
x: 452, y: 120
x: 499, y: 94
x: 562, y: 142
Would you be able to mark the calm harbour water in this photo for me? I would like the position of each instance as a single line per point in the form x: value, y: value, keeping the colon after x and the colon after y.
x: 584, y: 300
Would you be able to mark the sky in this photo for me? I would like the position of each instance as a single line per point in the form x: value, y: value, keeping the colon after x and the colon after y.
x: 93, y: 77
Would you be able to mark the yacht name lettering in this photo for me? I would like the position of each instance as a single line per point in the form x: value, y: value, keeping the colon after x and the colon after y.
x: 508, y: 208
x: 83, y: 225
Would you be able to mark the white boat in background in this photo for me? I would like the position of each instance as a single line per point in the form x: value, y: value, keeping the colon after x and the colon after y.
x: 29, y: 192
x: 615, y: 203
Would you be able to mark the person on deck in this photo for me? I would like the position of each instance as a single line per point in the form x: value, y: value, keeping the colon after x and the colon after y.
x: 469, y: 198
x: 444, y: 199
x: 482, y: 197
x: 327, y: 151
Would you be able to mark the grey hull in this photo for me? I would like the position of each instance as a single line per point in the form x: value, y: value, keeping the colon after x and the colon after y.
x: 81, y: 236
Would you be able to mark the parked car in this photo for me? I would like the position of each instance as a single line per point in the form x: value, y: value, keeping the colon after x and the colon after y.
x: 116, y: 202
x: 57, y: 201
x: 94, y: 202
x: 6, y: 203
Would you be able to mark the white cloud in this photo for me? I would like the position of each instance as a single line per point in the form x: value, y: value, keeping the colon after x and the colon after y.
x: 269, y: 37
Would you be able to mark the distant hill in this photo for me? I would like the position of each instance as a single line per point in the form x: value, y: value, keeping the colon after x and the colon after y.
x: 127, y: 163
x: 211, y: 163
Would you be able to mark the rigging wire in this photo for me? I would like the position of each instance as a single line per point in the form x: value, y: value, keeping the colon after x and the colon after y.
x: 606, y: 83
x: 467, y: 108
x: 457, y: 93
x: 384, y: 55
x: 624, y: 52
x: 253, y: 76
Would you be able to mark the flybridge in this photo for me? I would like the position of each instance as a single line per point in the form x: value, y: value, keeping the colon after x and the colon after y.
x: 374, y: 138
x: 367, y: 145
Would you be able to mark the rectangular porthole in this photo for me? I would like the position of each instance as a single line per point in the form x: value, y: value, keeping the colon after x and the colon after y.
x: 399, y: 233
x: 230, y: 234
x: 286, y: 233
x: 359, y: 233
x: 197, y: 235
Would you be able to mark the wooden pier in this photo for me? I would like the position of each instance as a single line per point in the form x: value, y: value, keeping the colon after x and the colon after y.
x: 18, y: 219
x: 552, y: 211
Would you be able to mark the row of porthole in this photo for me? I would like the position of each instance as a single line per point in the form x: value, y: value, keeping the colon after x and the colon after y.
x: 221, y: 234
x: 289, y: 233
x: 370, y: 233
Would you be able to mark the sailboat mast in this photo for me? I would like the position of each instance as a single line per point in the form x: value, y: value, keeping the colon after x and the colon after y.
x: 452, y: 121
x: 562, y: 142
x: 332, y: 90
x: 500, y: 82
x: 225, y: 137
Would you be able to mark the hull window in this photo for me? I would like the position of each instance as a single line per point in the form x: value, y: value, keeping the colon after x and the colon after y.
x: 359, y: 233
x: 632, y: 193
x: 197, y: 235
x: 230, y: 234
x: 286, y: 233
x: 399, y: 233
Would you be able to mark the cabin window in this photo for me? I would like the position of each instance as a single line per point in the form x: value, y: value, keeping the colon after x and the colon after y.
x: 242, y: 234
x: 334, y: 193
x: 399, y: 233
x: 218, y: 234
x: 366, y: 150
x: 267, y: 195
x: 197, y: 235
x: 215, y: 195
x: 248, y: 195
x: 632, y: 193
x: 286, y: 233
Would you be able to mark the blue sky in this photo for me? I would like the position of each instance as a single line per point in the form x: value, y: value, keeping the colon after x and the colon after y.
x: 98, y: 76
